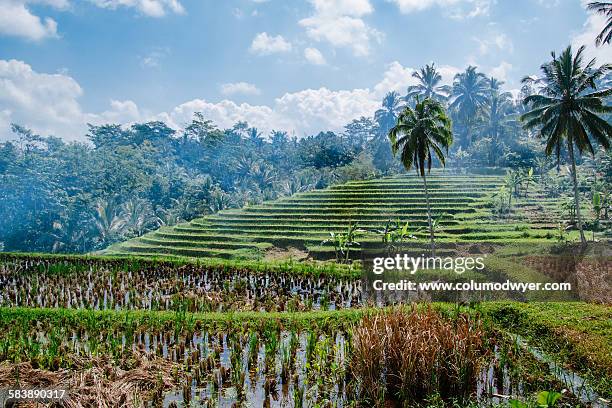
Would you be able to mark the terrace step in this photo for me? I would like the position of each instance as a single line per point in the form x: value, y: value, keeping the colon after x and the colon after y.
x: 305, y: 220
x: 355, y: 212
x: 318, y: 218
x: 188, y: 243
x: 181, y: 251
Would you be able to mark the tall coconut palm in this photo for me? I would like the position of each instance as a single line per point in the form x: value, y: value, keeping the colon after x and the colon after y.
x: 428, y: 86
x: 604, y: 8
x: 385, y: 117
x: 469, y: 96
x: 498, y: 117
x: 417, y: 133
x: 566, y: 110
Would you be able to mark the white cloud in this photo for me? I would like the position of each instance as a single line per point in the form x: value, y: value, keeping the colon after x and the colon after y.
x: 453, y: 8
x: 308, y: 111
x: 448, y: 73
x: 239, y: 88
x: 151, y: 8
x: 339, y: 23
x: 314, y: 56
x: 591, y: 28
x: 5, y: 121
x: 305, y: 112
x: 396, y: 78
x: 264, y: 44
x: 121, y: 112
x: 224, y: 114
x: 48, y: 103
x: 501, y: 71
x: 16, y: 19
x: 313, y: 110
x: 356, y: 8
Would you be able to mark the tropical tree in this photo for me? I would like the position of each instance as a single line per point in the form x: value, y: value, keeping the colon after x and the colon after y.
x: 428, y: 86
x: 604, y: 8
x: 566, y: 110
x: 254, y: 137
x: 469, y: 95
x: 418, y: 133
x: 359, y: 131
x: 497, y: 117
x: 385, y: 117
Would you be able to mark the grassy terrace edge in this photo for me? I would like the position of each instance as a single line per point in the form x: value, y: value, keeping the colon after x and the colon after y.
x: 314, y: 268
x: 576, y: 335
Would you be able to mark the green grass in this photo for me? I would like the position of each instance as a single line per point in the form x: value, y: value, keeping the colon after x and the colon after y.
x: 140, y: 319
x: 578, y: 335
x: 69, y: 263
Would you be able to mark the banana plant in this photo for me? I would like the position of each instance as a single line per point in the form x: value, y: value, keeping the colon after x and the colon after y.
x: 503, y: 199
x: 528, y: 178
x: 512, y: 182
x: 395, y: 233
x: 545, y: 399
x: 343, y: 242
x: 561, y: 237
x: 436, y: 223
x: 548, y: 399
x: 569, y: 207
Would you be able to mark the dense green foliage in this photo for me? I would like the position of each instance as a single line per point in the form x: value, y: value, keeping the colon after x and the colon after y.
x: 77, y: 197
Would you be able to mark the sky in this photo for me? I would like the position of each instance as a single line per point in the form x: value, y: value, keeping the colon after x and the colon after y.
x: 302, y: 66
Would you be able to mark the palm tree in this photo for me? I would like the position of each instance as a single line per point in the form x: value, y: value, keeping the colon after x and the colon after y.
x: 469, y: 96
x: 385, y: 117
x: 418, y: 132
x: 254, y: 136
x: 428, y: 87
x: 108, y: 221
x: 566, y: 110
x: 604, y: 8
x: 498, y: 117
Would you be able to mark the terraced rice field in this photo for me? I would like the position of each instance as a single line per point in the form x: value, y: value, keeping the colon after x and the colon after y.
x: 150, y: 333
x: 303, y: 221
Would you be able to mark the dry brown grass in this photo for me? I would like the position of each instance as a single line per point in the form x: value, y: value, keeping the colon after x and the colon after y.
x: 101, y: 385
x: 404, y: 356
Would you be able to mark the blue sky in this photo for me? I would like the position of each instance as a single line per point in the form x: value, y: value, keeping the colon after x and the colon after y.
x: 300, y: 65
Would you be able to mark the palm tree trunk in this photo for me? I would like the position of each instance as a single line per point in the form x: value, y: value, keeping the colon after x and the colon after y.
x: 570, y: 144
x: 431, y: 231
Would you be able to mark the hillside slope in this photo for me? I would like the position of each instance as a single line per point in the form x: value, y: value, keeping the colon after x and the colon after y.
x: 303, y: 221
